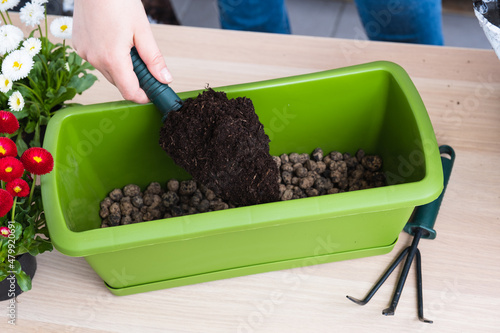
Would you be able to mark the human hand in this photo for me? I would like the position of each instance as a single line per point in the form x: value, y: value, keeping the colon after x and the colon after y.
x: 103, y: 34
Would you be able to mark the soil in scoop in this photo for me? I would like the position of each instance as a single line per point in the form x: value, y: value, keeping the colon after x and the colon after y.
x: 222, y: 144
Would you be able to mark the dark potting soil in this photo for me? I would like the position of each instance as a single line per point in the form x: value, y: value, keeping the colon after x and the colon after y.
x: 222, y: 144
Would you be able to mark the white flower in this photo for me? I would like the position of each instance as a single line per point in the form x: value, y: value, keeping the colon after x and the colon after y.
x: 16, y: 101
x: 32, y: 46
x: 5, y: 84
x: 17, y: 65
x: 6, y: 5
x: 32, y: 14
x: 40, y: 2
x: 10, y: 37
x: 66, y: 66
x: 62, y: 27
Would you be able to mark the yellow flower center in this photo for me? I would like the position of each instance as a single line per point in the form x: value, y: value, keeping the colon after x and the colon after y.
x: 2, y: 150
x: 37, y: 159
x: 17, y: 189
x: 8, y: 169
x: 4, y: 232
x: 64, y: 27
x: 7, y: 82
x: 18, y: 102
x: 4, y: 1
x: 17, y: 65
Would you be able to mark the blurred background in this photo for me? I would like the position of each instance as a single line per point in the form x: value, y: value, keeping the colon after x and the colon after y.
x: 324, y: 18
x: 338, y: 18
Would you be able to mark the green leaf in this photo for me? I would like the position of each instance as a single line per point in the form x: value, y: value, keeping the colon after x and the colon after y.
x: 22, y: 114
x: 3, y: 101
x: 44, y: 120
x: 17, y: 267
x: 30, y: 127
x: 62, y: 95
x: 82, y: 83
x: 29, y: 232
x: 24, y: 281
x: 18, y: 230
x: 34, y: 111
x: 36, y: 139
x: 21, y: 145
x: 34, y: 250
x: 3, y: 274
x: 44, y: 245
x: 4, y: 249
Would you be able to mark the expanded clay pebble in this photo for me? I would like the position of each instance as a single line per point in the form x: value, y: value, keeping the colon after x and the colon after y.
x: 180, y: 198
x: 154, y: 188
x: 173, y: 185
x: 116, y: 195
x: 170, y: 199
x: 317, y: 154
x: 294, y: 158
x: 137, y: 201
x: 321, y: 173
x: 187, y: 187
x: 126, y: 207
x: 131, y: 190
x: 301, y: 176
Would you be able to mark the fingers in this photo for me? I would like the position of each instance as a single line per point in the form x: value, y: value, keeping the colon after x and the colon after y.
x: 125, y: 80
x: 130, y: 91
x: 103, y: 34
x: 117, y: 68
x: 150, y: 53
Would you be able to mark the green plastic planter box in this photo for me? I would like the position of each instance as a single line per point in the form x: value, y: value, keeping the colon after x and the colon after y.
x: 373, y: 106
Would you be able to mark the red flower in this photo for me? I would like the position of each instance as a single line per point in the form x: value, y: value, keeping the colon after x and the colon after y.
x: 18, y: 188
x: 8, y: 122
x: 4, y: 231
x: 7, y: 147
x: 37, y: 161
x: 6, y: 202
x: 10, y: 168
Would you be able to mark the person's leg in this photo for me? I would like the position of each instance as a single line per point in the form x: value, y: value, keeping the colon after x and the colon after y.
x: 409, y: 21
x: 160, y: 11
x: 254, y: 15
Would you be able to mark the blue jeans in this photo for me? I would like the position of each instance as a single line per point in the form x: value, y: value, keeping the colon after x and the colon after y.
x: 411, y: 21
x: 408, y: 21
x: 254, y: 15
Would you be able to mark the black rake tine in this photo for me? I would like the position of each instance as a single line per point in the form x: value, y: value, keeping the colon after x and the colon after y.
x: 420, y: 297
x: 404, y: 274
x: 381, y: 281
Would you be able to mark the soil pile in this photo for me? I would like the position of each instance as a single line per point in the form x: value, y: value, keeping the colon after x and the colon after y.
x: 222, y: 144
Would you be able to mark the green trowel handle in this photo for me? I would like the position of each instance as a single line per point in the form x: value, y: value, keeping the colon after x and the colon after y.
x: 162, y: 96
x: 425, y: 216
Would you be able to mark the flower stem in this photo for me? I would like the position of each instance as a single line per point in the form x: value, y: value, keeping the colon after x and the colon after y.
x: 64, y: 49
x: 3, y: 185
x: 40, y: 31
x: 7, y: 13
x: 3, y: 17
x: 31, y: 90
x: 14, y: 209
x: 32, y: 190
x: 46, y: 31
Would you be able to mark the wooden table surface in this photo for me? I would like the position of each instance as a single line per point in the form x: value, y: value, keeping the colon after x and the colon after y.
x: 461, y: 267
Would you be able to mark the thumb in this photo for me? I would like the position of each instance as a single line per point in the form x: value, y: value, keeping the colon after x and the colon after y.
x: 153, y: 59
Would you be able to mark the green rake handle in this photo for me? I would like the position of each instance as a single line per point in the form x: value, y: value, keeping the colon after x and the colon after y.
x: 425, y: 216
x: 162, y: 96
